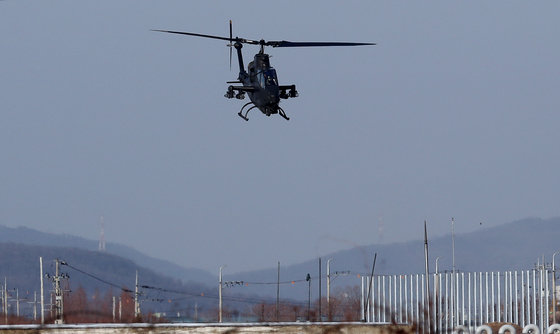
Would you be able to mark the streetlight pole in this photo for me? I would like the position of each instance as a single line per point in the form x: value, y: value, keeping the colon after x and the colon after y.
x: 554, y: 288
x: 453, y: 242
x: 437, y: 277
x: 437, y: 301
x: 42, y: 292
x: 453, y: 271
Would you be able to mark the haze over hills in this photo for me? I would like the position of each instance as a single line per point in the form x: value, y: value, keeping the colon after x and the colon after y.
x: 511, y: 246
x: 100, y: 274
x: 29, y: 236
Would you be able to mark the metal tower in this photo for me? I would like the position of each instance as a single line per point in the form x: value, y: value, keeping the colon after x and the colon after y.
x: 102, y: 235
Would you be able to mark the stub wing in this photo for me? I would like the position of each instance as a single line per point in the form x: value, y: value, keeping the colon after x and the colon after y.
x: 242, y: 88
x: 287, y: 91
x: 238, y: 91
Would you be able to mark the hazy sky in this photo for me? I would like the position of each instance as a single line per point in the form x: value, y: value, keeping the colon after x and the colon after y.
x: 454, y: 113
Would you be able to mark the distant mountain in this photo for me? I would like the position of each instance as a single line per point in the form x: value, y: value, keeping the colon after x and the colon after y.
x: 98, y: 273
x: 513, y: 246
x: 29, y: 236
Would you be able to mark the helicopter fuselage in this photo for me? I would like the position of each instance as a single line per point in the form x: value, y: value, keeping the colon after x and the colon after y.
x: 260, y: 82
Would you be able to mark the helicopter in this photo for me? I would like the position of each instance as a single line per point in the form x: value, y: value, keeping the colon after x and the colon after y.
x: 260, y: 81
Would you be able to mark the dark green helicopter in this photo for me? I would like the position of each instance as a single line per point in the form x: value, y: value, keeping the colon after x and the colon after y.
x: 261, y: 81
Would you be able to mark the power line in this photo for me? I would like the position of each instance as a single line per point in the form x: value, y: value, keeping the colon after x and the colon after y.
x: 96, y: 278
x: 195, y: 295
x: 211, y: 296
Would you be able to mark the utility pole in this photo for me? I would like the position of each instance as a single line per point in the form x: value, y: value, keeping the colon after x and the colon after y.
x: 114, y: 308
x: 59, y: 302
x: 308, y: 279
x: 17, y: 302
x: 278, y: 294
x: 329, y: 315
x: 220, y: 296
x: 320, y: 281
x: 42, y: 292
x: 136, y: 302
x: 554, y: 301
x: 35, y: 305
x: 57, y: 292
x: 5, y: 300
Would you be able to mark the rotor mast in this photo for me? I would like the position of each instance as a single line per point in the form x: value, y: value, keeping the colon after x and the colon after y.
x: 242, y: 72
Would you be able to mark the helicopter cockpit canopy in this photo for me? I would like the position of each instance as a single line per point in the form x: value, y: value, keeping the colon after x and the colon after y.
x: 267, y: 78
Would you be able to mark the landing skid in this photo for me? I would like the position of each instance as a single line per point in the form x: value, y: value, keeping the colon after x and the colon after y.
x: 283, y: 114
x: 240, y: 113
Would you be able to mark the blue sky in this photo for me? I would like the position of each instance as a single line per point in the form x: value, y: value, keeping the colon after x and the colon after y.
x: 453, y: 113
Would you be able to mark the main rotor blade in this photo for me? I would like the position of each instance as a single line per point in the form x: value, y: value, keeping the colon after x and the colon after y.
x: 287, y: 44
x: 236, y: 39
x: 193, y: 34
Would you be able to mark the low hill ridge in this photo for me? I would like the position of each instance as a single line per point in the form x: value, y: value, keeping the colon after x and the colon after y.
x: 29, y: 236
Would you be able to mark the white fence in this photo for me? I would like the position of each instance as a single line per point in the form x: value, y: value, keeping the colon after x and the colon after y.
x: 449, y: 301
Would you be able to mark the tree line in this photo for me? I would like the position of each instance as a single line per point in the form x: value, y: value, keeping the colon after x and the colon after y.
x: 80, y: 307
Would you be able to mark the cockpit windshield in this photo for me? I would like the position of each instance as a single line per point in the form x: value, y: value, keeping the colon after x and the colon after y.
x: 267, y: 78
